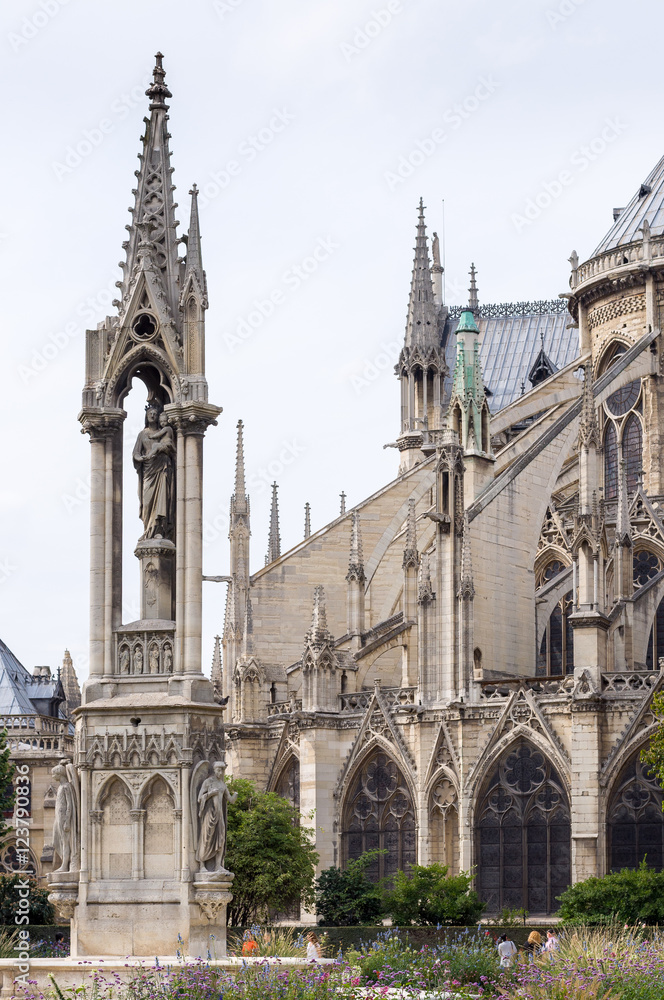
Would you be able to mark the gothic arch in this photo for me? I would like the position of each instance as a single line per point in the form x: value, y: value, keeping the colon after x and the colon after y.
x: 378, y: 810
x: 367, y: 663
x: 649, y: 612
x: 287, y: 781
x: 145, y: 790
x: 487, y: 760
x: 442, y: 799
x: 634, y: 818
x: 522, y: 831
x: 153, y: 361
x: 105, y: 788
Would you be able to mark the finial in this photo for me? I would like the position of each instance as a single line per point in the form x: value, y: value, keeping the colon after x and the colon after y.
x: 307, y: 520
x: 216, y: 675
x: 466, y: 588
x: 588, y: 427
x: 410, y: 555
x: 274, y: 542
x: 342, y: 497
x: 356, y: 560
x: 473, y: 301
x: 425, y: 589
x: 248, y: 632
x: 318, y: 633
x: 158, y: 91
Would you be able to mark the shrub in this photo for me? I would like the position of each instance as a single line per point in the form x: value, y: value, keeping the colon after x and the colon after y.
x: 631, y: 896
x: 428, y: 895
x: 41, y: 911
x: 347, y: 898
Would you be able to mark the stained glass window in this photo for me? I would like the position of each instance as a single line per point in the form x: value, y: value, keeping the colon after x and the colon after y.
x: 556, y: 654
x: 523, y: 834
x: 624, y: 399
x: 635, y: 819
x: 646, y: 565
x: 656, y: 640
x: 610, y: 462
x: 288, y: 784
x: 631, y: 451
x: 379, y: 813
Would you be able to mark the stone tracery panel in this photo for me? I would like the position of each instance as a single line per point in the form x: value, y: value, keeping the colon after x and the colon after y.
x: 523, y: 833
x: 379, y: 813
x: 635, y: 822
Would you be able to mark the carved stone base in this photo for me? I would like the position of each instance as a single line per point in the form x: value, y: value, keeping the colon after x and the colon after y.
x: 63, y: 893
x: 156, y: 556
x: 211, y: 891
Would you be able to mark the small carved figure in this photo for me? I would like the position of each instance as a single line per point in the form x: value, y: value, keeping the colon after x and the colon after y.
x: 65, y: 822
x: 168, y: 660
x: 124, y: 660
x: 212, y: 799
x: 154, y: 660
x: 138, y: 660
x: 153, y: 457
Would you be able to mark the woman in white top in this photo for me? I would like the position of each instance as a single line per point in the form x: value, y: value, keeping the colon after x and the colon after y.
x: 507, y: 951
x: 313, y: 947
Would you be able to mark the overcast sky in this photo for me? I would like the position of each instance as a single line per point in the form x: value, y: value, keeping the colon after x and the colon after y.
x: 306, y: 125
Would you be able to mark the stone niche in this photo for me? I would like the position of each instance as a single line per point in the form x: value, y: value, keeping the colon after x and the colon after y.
x: 145, y: 649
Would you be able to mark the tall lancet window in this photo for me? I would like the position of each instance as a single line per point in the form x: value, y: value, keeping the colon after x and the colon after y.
x: 623, y: 437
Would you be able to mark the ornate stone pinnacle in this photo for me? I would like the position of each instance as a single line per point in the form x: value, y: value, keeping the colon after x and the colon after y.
x: 588, y: 427
x: 239, y: 500
x: 623, y: 526
x: 274, y: 541
x: 356, y: 560
x: 216, y: 674
x: 318, y: 633
x: 342, y: 505
x: 307, y: 520
x: 473, y: 299
x: 410, y: 554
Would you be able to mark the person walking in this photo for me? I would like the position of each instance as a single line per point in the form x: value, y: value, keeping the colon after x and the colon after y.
x: 507, y: 951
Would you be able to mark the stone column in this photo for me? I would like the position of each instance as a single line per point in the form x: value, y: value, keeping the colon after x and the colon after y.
x: 586, y: 760
x: 137, y: 843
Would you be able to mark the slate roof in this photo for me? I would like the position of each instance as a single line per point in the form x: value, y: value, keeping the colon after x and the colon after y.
x: 18, y: 687
x: 510, y: 341
x: 646, y: 205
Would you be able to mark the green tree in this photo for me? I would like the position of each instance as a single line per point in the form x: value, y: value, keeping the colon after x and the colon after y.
x: 428, y: 895
x: 654, y: 752
x: 272, y: 855
x: 41, y: 911
x: 346, y: 898
x: 630, y: 896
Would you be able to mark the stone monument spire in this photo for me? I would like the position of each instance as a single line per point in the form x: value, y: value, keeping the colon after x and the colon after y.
x: 146, y: 687
x: 70, y: 683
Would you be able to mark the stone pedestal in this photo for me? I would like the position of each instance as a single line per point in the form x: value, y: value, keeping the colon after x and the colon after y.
x: 63, y: 893
x: 157, y: 559
x: 211, y: 895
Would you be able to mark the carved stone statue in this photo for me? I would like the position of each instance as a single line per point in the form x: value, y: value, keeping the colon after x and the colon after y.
x: 154, y: 660
x: 212, y: 798
x: 66, y: 821
x: 168, y: 660
x: 124, y: 660
x: 138, y: 660
x: 154, y: 461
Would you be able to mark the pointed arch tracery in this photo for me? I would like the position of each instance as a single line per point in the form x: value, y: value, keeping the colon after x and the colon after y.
x: 635, y: 822
x: 288, y: 782
x: 523, y: 832
x: 379, y: 813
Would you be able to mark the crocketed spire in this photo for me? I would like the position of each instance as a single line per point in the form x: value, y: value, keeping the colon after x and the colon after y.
x: 421, y: 322
x: 410, y: 554
x: 356, y: 560
x: 274, y: 541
